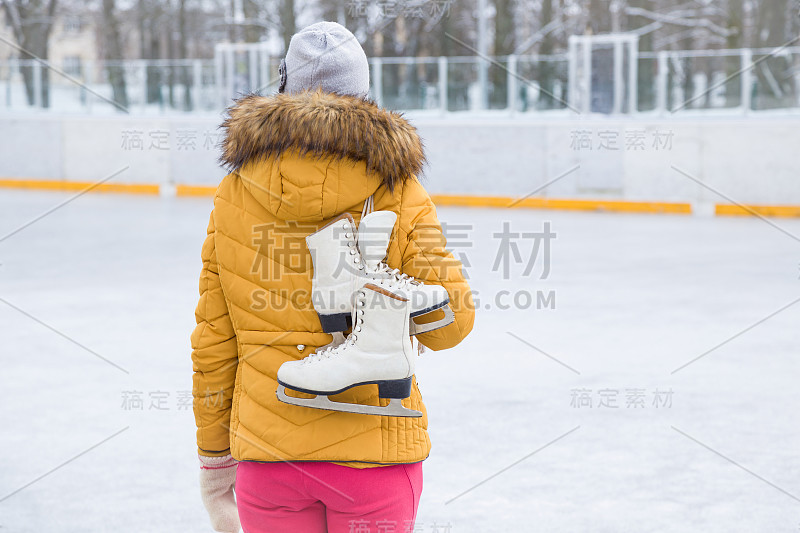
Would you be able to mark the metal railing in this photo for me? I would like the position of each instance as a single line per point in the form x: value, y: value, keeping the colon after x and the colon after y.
x: 666, y: 83
x: 147, y: 87
x: 740, y: 80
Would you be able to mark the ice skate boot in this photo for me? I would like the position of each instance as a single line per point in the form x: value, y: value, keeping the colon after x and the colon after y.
x: 345, y: 258
x: 378, y: 351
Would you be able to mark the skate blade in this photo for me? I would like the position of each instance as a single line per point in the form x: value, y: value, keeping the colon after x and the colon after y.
x: 395, y: 408
x: 449, y: 318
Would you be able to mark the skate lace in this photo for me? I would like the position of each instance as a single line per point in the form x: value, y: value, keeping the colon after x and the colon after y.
x: 352, y: 244
x: 394, y: 276
x: 357, y: 319
x: 326, y: 353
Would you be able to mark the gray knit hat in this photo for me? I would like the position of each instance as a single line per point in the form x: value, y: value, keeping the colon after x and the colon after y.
x: 325, y: 55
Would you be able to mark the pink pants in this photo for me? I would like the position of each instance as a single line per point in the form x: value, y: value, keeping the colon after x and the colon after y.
x: 308, y: 497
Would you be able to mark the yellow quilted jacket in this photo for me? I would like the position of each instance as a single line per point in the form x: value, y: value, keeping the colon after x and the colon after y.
x: 298, y: 161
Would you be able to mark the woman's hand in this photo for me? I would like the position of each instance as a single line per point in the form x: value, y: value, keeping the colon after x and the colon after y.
x: 217, y: 476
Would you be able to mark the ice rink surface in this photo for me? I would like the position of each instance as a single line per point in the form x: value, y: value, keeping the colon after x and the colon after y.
x: 516, y: 446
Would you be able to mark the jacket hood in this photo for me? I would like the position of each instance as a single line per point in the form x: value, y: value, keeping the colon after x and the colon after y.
x: 305, y: 155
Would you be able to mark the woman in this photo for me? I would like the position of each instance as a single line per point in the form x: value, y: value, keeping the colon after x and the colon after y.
x: 298, y: 160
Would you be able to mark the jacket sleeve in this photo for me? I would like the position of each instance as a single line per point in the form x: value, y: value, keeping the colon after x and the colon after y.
x: 214, y: 358
x: 426, y: 258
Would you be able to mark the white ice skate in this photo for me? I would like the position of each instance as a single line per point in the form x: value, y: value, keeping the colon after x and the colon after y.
x: 344, y: 259
x: 377, y: 351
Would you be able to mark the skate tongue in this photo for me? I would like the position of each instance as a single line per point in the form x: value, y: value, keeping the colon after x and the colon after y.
x: 374, y: 233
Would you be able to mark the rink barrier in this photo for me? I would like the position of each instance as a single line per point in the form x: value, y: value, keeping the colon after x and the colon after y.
x: 618, y: 206
x: 785, y: 211
x: 622, y: 206
x: 78, y: 186
x: 625, y: 206
x: 194, y: 190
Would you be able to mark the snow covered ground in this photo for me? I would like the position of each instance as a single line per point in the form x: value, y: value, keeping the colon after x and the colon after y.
x: 515, y: 445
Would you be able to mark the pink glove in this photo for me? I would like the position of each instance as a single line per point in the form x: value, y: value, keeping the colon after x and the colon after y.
x: 217, y: 476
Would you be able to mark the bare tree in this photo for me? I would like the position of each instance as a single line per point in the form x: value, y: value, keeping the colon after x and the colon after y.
x: 647, y: 69
x: 151, y: 19
x: 254, y: 11
x: 112, y: 52
x: 546, y: 69
x: 504, y: 27
x: 32, y: 22
x: 776, y: 27
x: 288, y: 23
x: 504, y: 44
x: 599, y: 17
x: 182, y: 54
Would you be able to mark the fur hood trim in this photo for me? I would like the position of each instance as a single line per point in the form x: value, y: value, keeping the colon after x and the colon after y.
x: 322, y: 124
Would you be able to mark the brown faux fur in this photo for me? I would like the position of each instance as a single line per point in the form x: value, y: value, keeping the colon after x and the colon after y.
x: 322, y: 124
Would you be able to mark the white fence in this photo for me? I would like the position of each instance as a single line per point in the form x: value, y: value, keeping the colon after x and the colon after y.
x: 605, y: 76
